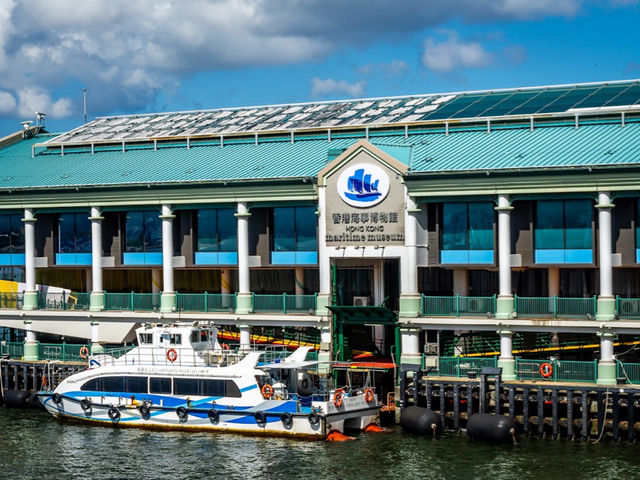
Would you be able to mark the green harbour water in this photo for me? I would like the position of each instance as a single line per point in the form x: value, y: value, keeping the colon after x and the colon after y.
x: 34, y: 445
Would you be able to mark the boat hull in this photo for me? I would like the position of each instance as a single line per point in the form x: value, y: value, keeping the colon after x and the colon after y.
x: 253, y: 421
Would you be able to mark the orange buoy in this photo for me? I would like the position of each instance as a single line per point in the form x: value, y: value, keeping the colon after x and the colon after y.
x: 267, y: 391
x: 338, y: 398
x: 373, y: 428
x: 546, y: 370
x: 336, y: 436
x: 172, y: 355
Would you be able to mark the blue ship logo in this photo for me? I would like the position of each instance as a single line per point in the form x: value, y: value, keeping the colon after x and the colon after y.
x: 361, y: 188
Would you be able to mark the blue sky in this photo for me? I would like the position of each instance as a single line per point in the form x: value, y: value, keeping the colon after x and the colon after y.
x: 152, y: 55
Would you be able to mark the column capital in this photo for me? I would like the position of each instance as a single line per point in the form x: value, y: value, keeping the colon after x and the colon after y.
x: 605, y: 333
x: 503, y: 208
x: 604, y: 206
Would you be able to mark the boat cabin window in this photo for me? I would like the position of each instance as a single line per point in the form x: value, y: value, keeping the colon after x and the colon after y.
x: 160, y: 385
x: 206, y: 387
x: 175, y: 338
x: 146, y: 338
x: 200, y: 336
x: 116, y: 384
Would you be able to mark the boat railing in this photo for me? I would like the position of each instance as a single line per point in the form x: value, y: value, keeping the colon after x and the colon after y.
x: 170, y: 356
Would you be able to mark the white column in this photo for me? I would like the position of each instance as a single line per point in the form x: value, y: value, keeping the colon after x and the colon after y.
x: 504, y: 245
x: 245, y: 337
x: 96, y: 250
x: 167, y: 249
x: 243, y: 248
x: 244, y: 288
x: 324, y: 262
x: 604, y: 222
x: 606, y: 348
x: 506, y: 344
x: 409, y: 275
x: 156, y: 280
x: 29, y: 250
x: 410, y: 342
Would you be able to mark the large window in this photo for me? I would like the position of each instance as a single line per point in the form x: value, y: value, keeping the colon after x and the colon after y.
x: 143, y: 238
x: 467, y: 232
x: 74, y: 239
x: 11, y: 240
x: 294, y: 235
x: 563, y: 232
x: 217, y: 237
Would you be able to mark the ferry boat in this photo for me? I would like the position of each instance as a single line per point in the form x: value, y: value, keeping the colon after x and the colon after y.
x: 180, y: 377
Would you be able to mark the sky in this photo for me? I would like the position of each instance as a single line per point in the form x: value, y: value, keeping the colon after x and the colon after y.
x: 138, y: 56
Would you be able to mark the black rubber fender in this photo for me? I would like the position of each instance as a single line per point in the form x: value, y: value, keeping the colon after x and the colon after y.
x: 182, y: 413
x: 56, y: 398
x: 114, y: 414
x: 494, y: 428
x: 16, y: 398
x: 145, y: 411
x: 213, y: 415
x: 287, y: 419
x: 421, y: 421
x: 261, y: 417
x: 85, y: 404
x: 314, y: 418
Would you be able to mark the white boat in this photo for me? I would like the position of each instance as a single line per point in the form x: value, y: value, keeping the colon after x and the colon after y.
x: 180, y: 377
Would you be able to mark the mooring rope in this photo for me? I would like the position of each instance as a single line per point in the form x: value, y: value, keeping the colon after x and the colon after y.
x: 604, y: 421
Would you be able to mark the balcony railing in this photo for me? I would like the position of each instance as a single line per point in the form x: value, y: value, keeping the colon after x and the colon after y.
x: 527, y: 369
x: 185, y: 302
x: 555, y: 307
x: 458, y: 306
x: 283, y: 303
x: 525, y: 307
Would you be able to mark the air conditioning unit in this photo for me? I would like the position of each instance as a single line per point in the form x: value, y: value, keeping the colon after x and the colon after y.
x: 431, y: 348
x: 360, y: 301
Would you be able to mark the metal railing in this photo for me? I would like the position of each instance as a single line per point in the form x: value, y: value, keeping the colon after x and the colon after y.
x: 61, y: 351
x: 283, y: 303
x: 132, y: 301
x: 629, y: 371
x: 460, y: 366
x: 458, y: 305
x: 628, y: 308
x: 562, y: 370
x: 206, y: 302
x: 13, y: 349
x: 554, y: 307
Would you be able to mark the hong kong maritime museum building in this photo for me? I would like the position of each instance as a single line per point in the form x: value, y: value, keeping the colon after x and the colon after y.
x: 476, y: 223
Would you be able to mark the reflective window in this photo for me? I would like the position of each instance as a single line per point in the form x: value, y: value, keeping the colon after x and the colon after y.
x: 563, y: 224
x: 206, y: 387
x: 467, y: 226
x: 143, y: 232
x: 113, y: 384
x: 185, y: 386
x: 294, y: 229
x: 135, y: 384
x: 217, y: 230
x: 146, y: 338
x: 74, y: 233
x: 160, y: 385
x: 11, y: 234
x: 175, y: 339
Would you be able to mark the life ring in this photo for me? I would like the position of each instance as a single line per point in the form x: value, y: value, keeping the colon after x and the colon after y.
x: 287, y: 419
x: 181, y: 412
x: 84, y: 352
x: 261, y: 417
x: 85, y: 404
x: 546, y: 370
x: 213, y: 415
x: 338, y: 398
x: 224, y: 346
x: 314, y: 418
x: 172, y: 355
x: 267, y: 391
x: 114, y: 414
x: 368, y: 395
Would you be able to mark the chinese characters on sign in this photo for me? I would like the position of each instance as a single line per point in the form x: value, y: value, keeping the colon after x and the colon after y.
x: 377, y: 227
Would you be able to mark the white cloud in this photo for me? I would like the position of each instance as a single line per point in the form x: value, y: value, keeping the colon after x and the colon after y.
x: 454, y: 53
x: 7, y: 103
x: 329, y: 86
x: 392, y: 68
x: 34, y: 99
x: 125, y: 52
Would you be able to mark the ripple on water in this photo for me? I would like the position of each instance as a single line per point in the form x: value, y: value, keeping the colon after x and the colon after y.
x: 35, y: 446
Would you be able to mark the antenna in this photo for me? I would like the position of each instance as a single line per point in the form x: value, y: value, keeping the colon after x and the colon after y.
x: 84, y: 101
x: 40, y: 117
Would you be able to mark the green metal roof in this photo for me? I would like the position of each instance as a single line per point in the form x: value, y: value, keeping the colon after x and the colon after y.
x: 562, y: 146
